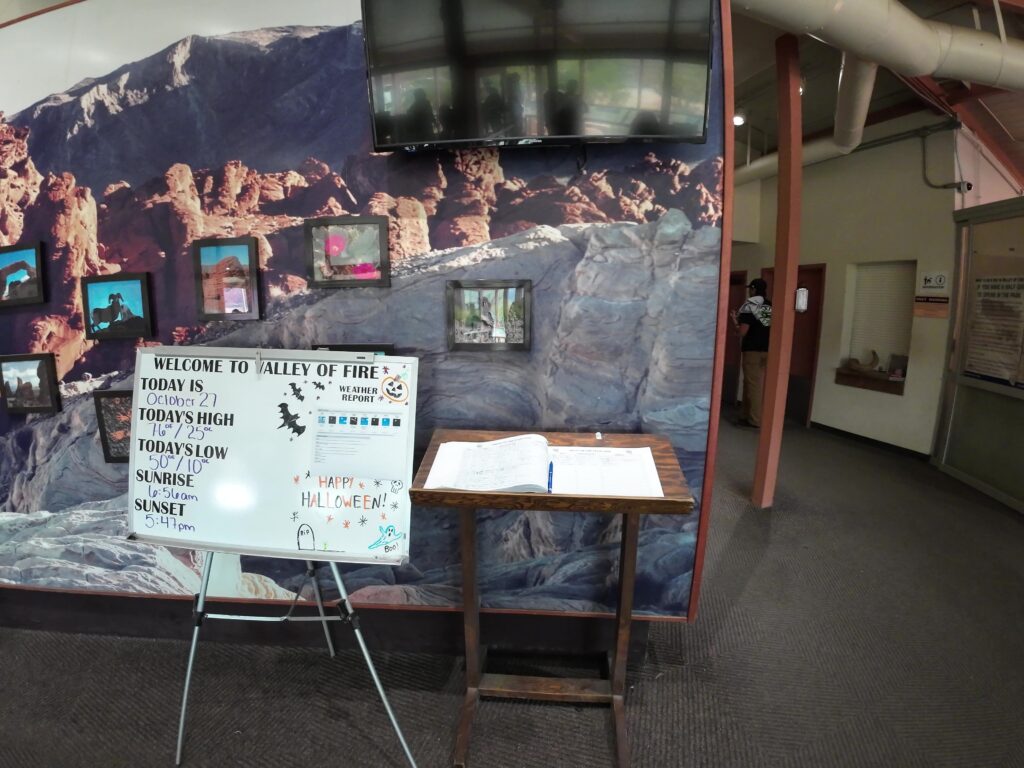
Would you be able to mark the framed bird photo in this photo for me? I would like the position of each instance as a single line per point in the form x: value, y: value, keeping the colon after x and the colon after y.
x: 348, y: 252
x: 226, y: 278
x: 21, y: 275
x: 117, y: 306
x: 489, y: 315
x: 28, y: 384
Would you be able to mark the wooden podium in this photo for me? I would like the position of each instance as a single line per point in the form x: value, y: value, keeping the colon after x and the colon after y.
x: 479, y: 683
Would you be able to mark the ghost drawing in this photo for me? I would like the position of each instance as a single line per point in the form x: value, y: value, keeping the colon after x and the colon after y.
x: 304, y: 539
x: 387, y: 536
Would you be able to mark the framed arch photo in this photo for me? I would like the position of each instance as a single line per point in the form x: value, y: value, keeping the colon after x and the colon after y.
x: 21, y: 275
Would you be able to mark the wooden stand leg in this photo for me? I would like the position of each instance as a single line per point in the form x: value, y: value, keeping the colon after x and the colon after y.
x: 471, y: 625
x: 623, y: 620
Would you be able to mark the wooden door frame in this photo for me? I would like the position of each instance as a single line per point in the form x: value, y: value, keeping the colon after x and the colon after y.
x: 823, y: 267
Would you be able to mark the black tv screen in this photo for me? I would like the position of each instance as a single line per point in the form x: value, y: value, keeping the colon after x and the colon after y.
x: 527, y: 72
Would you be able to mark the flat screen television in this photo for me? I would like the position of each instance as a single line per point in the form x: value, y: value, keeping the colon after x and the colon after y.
x: 451, y: 73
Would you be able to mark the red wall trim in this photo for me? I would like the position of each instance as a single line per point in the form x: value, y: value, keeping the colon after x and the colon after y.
x: 714, y: 408
x: 54, y: 7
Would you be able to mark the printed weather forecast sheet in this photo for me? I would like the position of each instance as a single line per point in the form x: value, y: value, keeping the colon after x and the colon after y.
x: 358, y: 439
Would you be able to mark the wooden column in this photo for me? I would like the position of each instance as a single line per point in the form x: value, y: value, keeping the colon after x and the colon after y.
x: 787, y: 258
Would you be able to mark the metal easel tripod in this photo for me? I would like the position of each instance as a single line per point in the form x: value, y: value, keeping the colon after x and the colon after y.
x: 345, y: 613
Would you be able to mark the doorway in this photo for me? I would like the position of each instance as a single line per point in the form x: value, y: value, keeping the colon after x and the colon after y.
x: 980, y: 438
x: 806, y: 337
x: 731, y: 373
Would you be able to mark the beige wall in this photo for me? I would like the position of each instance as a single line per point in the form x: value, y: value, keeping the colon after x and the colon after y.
x: 872, y: 206
x: 990, y: 179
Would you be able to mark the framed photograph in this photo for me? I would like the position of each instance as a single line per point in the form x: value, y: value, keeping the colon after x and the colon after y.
x: 348, y: 252
x: 489, y: 315
x: 114, y: 420
x: 28, y: 384
x: 21, y: 275
x: 117, y: 306
x: 377, y: 349
x: 227, y: 278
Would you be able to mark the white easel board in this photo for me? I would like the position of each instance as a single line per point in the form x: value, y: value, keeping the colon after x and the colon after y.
x: 281, y: 453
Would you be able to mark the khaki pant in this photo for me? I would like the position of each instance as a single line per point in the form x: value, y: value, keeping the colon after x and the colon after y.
x: 754, y: 364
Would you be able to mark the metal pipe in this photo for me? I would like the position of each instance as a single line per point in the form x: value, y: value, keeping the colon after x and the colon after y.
x: 881, y: 32
x: 887, y: 33
x: 856, y: 84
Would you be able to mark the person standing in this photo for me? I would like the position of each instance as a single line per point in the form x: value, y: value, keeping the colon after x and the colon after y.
x: 753, y: 321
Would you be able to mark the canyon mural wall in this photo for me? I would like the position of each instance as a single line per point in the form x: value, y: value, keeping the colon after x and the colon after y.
x: 251, y: 132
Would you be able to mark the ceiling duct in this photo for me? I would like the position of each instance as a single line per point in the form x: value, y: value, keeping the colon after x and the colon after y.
x: 888, y: 34
x: 856, y: 83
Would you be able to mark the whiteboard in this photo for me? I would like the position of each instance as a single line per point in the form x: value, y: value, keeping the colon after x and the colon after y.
x: 283, y: 453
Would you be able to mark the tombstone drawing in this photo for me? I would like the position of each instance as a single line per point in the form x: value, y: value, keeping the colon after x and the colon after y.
x: 305, y: 539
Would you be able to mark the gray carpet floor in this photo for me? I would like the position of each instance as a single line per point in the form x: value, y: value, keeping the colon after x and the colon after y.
x: 873, y: 617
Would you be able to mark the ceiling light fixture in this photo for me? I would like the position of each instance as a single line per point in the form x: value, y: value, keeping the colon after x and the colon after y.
x: 738, y: 119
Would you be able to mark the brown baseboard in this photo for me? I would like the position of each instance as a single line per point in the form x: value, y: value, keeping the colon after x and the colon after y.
x: 384, y: 630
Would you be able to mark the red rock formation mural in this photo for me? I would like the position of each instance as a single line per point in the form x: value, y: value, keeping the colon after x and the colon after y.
x: 463, y: 198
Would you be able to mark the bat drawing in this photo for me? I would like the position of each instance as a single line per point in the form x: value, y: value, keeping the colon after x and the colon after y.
x: 290, y: 420
x: 319, y: 385
x: 297, y: 392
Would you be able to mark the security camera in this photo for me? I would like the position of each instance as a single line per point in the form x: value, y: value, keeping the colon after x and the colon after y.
x: 963, y: 187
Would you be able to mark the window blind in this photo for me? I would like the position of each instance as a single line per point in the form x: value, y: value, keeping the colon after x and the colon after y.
x: 884, y: 310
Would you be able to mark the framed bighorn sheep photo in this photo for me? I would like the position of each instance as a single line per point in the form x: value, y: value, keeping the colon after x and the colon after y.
x: 117, y: 306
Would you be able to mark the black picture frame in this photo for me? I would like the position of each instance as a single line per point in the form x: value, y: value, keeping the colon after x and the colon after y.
x: 48, y: 398
x: 113, y: 405
x: 243, y: 302
x: 379, y: 349
x: 370, y: 231
x: 132, y: 325
x: 29, y: 290
x: 459, y: 331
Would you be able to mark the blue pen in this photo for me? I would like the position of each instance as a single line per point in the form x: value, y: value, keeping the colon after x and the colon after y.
x: 551, y: 474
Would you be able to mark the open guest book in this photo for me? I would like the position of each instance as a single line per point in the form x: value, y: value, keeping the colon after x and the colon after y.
x: 529, y: 464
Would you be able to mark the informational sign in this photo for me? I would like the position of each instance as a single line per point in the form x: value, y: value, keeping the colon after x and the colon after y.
x: 931, y: 306
x: 295, y: 454
x: 937, y: 282
x: 995, y: 336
